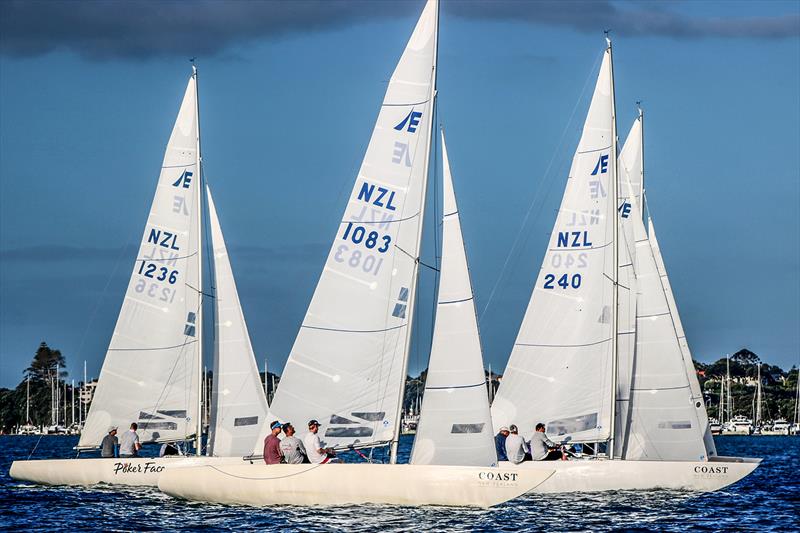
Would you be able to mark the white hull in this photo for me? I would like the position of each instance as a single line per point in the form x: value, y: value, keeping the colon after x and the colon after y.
x: 594, y: 475
x: 774, y: 431
x: 736, y: 432
x: 136, y: 471
x: 351, y: 484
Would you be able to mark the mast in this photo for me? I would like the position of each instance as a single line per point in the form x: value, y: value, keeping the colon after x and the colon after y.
x: 72, y: 403
x: 757, y: 420
x: 83, y: 395
x: 266, y: 389
x: 728, y: 405
x: 615, y: 254
x: 721, y: 402
x: 56, y: 396
x: 415, y: 274
x: 28, y: 402
x: 199, y: 321
x: 641, y: 160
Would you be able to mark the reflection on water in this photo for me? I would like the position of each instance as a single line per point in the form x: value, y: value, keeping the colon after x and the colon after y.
x: 768, y: 499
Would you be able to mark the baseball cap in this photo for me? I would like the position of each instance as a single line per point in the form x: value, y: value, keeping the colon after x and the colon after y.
x: 286, y: 426
x: 313, y: 422
x: 112, y: 428
x: 274, y: 425
x: 513, y: 427
x: 504, y: 428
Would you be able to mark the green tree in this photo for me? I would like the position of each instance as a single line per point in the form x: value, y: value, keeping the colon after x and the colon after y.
x: 44, y: 364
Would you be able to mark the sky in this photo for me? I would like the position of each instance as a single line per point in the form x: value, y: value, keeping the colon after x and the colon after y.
x: 289, y: 92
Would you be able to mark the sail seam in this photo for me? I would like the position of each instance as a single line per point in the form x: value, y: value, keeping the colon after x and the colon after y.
x: 380, y: 222
x: 595, y: 150
x: 150, y: 349
x: 578, y: 249
x: 456, y: 387
x: 179, y: 166
x: 660, y: 388
x: 403, y: 105
x: 455, y: 301
x: 652, y: 316
x: 563, y: 345
x: 354, y: 330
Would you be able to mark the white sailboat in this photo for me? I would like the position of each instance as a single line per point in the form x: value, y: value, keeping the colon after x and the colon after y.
x: 348, y: 365
x: 152, y: 370
x: 630, y: 393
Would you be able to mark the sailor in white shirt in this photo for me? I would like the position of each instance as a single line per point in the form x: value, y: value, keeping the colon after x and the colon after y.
x: 314, y: 450
x: 516, y: 447
x: 542, y: 448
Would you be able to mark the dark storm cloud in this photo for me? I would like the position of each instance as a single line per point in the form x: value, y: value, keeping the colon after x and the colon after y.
x: 104, y: 29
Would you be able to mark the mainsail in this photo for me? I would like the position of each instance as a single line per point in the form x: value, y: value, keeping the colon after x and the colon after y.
x: 561, y: 369
x: 238, y: 404
x: 455, y: 427
x: 348, y: 363
x: 151, y: 370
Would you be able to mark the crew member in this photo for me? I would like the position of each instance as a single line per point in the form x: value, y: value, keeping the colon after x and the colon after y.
x: 542, y: 448
x: 316, y: 453
x: 292, y: 448
x: 129, y: 444
x: 516, y: 448
x: 272, y: 445
x: 500, y: 444
x: 108, y: 447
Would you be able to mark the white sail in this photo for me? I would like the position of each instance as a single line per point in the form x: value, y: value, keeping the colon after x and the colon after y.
x: 631, y: 164
x: 664, y: 422
x: 348, y: 364
x: 455, y: 427
x: 150, y: 373
x: 238, y: 404
x: 691, y: 373
x: 560, y: 369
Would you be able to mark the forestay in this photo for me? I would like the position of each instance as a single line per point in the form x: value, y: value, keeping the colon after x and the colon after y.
x: 664, y: 422
x: 347, y: 365
x: 560, y: 369
x: 150, y: 372
x: 455, y: 426
x: 238, y: 404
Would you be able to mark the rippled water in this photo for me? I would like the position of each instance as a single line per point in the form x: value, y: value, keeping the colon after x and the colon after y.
x: 768, y: 500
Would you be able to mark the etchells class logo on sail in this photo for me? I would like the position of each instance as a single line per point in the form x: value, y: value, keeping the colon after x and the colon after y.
x: 410, y: 122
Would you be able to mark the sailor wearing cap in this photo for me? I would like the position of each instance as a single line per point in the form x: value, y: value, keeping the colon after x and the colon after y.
x: 272, y: 445
x: 108, y: 447
x: 316, y: 453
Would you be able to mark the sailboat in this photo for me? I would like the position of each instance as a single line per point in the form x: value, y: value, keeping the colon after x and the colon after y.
x: 599, y: 357
x: 152, y: 370
x: 348, y: 365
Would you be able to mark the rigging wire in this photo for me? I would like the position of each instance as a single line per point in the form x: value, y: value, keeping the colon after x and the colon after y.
x: 547, y: 179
